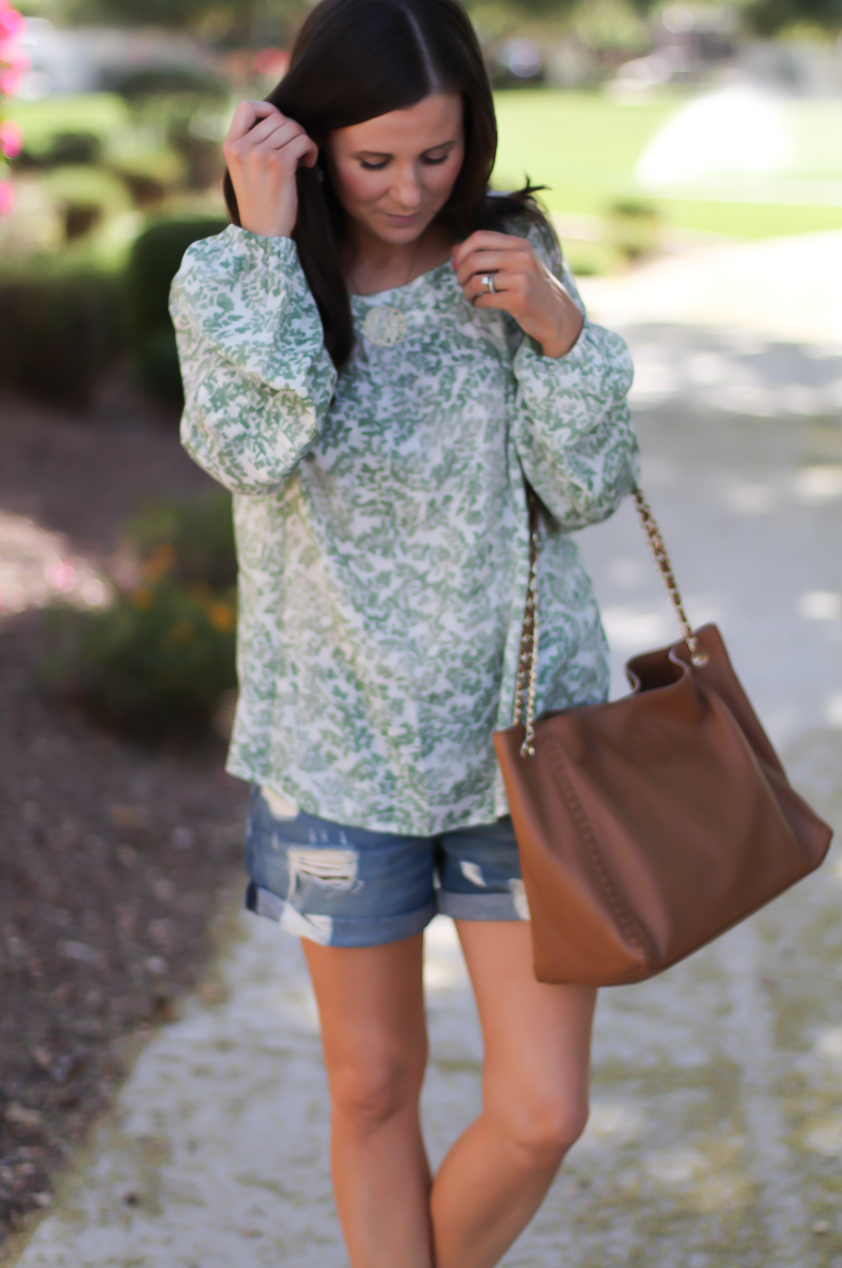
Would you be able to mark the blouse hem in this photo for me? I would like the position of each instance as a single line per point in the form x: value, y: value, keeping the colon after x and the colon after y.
x: 369, y: 823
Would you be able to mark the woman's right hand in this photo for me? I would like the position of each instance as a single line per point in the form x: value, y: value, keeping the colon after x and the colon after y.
x: 263, y: 149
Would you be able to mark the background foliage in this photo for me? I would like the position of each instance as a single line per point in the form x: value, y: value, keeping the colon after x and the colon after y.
x: 158, y: 663
x: 239, y: 20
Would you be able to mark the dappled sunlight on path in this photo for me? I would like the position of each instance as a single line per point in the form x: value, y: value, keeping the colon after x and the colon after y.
x: 38, y: 567
x: 781, y: 289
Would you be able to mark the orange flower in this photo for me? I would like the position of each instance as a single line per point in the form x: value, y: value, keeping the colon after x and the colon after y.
x: 142, y: 598
x: 221, y: 617
x: 158, y: 563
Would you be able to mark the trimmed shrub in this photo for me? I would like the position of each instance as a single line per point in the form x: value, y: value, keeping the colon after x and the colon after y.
x: 74, y: 147
x: 154, y: 666
x: 197, y: 538
x: 159, y: 663
x: 154, y: 262
x: 88, y: 187
x: 89, y: 118
x: 159, y: 81
x: 58, y: 333
x: 634, y: 227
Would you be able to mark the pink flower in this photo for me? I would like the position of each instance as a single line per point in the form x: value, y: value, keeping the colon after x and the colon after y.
x: 10, y: 82
x: 62, y: 575
x: 11, y: 138
x: 7, y: 198
x: 13, y: 56
x: 271, y: 61
x: 11, y: 22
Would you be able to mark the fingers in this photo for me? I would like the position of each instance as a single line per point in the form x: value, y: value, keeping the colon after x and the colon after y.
x: 514, y: 291
x: 271, y: 136
x: 475, y: 290
x: 282, y: 134
x: 301, y: 149
x: 490, y: 261
x: 247, y: 115
x: 263, y: 130
x: 523, y: 287
x: 485, y: 239
x: 290, y: 145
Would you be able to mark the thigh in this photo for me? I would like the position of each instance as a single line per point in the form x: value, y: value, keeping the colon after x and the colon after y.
x: 371, y: 1005
x: 537, y: 1037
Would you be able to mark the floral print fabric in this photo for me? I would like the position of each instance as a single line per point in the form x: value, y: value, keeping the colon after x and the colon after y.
x: 381, y: 525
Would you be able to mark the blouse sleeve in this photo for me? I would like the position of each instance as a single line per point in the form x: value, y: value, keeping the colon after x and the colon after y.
x: 573, y: 428
x: 257, y: 378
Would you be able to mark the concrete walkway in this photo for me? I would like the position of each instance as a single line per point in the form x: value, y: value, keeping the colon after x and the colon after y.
x: 779, y: 288
x: 716, y: 1134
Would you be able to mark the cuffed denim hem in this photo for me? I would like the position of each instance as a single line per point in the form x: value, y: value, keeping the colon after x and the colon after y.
x: 483, y: 906
x: 336, y: 931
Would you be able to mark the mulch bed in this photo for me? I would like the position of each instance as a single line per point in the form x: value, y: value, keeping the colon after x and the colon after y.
x: 116, y: 862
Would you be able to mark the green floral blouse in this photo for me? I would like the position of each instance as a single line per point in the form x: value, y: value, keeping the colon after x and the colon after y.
x: 381, y: 525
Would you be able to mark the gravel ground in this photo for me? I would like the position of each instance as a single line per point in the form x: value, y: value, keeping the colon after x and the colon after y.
x: 114, y: 861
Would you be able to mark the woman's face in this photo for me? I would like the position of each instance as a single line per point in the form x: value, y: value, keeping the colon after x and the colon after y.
x: 393, y: 174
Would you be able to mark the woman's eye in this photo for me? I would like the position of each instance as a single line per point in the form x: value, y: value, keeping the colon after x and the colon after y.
x: 434, y: 162
x: 373, y: 167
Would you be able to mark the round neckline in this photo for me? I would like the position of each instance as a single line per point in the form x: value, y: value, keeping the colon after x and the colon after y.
x: 407, y: 286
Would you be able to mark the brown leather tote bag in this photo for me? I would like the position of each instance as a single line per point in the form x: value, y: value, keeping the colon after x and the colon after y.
x: 650, y: 825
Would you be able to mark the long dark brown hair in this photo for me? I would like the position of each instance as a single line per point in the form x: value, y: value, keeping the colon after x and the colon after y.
x: 354, y: 60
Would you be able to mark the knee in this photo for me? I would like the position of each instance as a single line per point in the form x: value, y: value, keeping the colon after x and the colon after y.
x: 544, y: 1126
x: 365, y: 1094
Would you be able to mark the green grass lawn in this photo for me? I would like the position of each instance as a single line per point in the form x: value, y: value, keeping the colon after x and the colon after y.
x: 585, y: 146
x: 581, y: 144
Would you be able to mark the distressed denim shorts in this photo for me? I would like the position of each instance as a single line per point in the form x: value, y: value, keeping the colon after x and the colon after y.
x: 347, y: 887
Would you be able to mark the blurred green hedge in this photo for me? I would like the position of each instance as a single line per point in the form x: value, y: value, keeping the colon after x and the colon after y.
x: 77, y: 283
x: 57, y: 334
x: 61, y: 324
x: 158, y: 81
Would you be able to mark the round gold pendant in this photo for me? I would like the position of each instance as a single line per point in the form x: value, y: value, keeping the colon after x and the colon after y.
x: 384, y: 325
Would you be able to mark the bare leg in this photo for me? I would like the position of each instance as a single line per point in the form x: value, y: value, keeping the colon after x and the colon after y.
x: 375, y: 1044
x: 535, y: 1098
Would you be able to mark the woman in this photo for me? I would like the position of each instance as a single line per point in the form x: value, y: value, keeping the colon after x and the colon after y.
x: 378, y: 355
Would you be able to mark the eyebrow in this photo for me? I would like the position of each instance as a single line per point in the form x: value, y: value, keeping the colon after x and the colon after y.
x: 440, y: 145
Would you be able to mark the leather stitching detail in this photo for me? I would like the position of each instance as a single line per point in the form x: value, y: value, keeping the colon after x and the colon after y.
x: 625, y: 920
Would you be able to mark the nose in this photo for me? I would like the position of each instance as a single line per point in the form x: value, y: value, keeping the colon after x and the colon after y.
x: 407, y: 187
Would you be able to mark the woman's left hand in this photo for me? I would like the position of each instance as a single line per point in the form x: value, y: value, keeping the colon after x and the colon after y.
x: 523, y: 286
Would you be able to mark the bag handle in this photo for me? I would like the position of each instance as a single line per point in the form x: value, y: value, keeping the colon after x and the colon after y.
x: 662, y: 559
x: 527, y: 670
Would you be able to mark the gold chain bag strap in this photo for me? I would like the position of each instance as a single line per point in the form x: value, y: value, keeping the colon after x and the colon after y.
x: 649, y: 825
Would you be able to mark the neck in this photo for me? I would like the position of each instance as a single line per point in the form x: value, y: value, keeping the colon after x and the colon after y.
x: 374, y: 265
x: 373, y: 253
